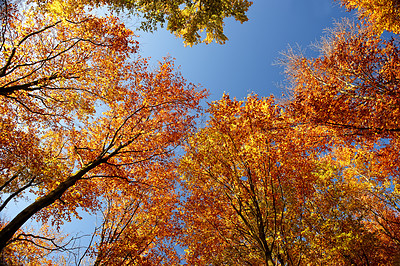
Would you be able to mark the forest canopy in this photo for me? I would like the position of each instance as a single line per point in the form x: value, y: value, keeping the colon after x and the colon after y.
x: 89, y: 126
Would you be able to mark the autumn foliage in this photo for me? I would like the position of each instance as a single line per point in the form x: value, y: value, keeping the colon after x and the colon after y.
x: 83, y: 120
x: 353, y: 85
x: 89, y: 127
x: 245, y: 193
x: 307, y: 182
x: 383, y: 14
x: 195, y: 21
x: 264, y: 189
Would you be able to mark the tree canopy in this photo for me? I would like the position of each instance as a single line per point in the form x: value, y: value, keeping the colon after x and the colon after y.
x: 83, y: 121
x: 311, y: 180
x: 88, y: 125
x: 383, y: 14
x: 186, y: 19
x: 264, y: 188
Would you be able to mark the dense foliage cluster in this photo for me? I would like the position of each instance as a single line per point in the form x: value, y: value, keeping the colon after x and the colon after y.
x: 87, y: 125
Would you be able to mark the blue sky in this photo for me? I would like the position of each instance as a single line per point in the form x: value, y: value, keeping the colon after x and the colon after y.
x: 245, y: 63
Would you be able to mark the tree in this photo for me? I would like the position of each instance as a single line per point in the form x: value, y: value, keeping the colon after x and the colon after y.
x: 80, y: 119
x: 352, y: 85
x: 263, y: 189
x: 351, y: 89
x: 383, y: 14
x: 247, y: 174
x: 184, y: 18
